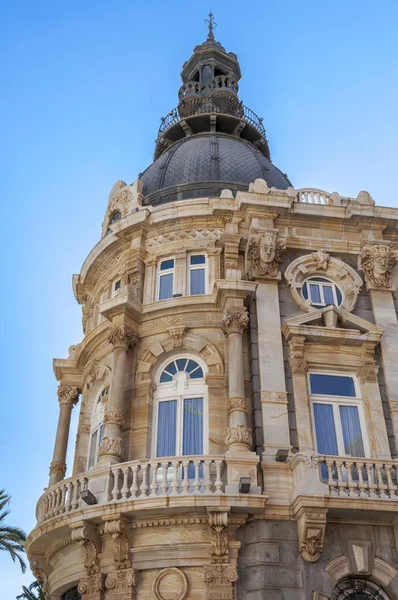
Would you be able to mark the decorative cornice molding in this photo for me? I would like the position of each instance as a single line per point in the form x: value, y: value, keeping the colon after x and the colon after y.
x: 204, y: 233
x: 214, y: 318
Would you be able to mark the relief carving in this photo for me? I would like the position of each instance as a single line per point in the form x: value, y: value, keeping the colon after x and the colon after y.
x: 87, y: 537
x: 121, y: 336
x: 237, y: 404
x: 218, y: 521
x: 110, y: 447
x: 121, y: 555
x: 122, y: 583
x: 322, y: 259
x: 170, y: 581
x: 58, y: 467
x: 265, y: 252
x: 378, y: 262
x: 273, y: 397
x: 67, y: 395
x: 235, y: 322
x: 92, y: 585
x: 311, y: 534
x: 115, y: 418
x: 178, y: 335
x: 238, y: 435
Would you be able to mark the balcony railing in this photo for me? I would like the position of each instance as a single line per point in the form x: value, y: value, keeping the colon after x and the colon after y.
x: 360, y: 477
x: 313, y: 196
x: 138, y: 480
x: 244, y: 113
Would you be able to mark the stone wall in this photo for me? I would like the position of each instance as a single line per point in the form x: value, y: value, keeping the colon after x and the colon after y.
x: 271, y: 568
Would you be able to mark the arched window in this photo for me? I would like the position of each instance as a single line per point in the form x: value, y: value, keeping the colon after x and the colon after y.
x: 71, y: 594
x: 358, y: 589
x: 181, y: 409
x: 322, y: 292
x: 97, y: 426
x: 115, y: 216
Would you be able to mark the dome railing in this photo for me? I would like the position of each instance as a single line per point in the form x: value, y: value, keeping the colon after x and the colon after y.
x: 244, y: 113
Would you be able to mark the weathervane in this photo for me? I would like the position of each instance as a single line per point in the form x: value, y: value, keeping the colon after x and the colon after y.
x: 211, y: 24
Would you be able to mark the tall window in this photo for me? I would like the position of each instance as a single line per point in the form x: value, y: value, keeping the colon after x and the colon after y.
x: 197, y: 274
x: 181, y: 423
x: 338, y: 417
x: 322, y: 292
x: 97, y: 426
x: 166, y: 279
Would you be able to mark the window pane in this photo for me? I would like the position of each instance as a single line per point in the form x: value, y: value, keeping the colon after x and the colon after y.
x: 117, y: 284
x: 197, y: 285
x: 325, y: 429
x: 191, y: 366
x: 198, y: 374
x: 166, y: 442
x: 305, y: 291
x: 193, y: 426
x: 165, y: 377
x: 198, y: 260
x: 328, y: 294
x: 339, y: 296
x: 315, y: 293
x: 181, y: 364
x: 352, y: 436
x: 101, y: 431
x: 166, y: 286
x: 93, y: 449
x: 332, y: 385
x: 167, y: 264
x: 171, y: 368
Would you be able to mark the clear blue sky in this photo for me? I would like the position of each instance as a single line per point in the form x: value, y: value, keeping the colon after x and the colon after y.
x: 84, y: 83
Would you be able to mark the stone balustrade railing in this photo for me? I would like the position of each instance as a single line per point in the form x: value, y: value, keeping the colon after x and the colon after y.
x: 168, y: 477
x: 189, y: 88
x: 137, y: 480
x: 223, y: 82
x: 313, y: 196
x: 360, y: 477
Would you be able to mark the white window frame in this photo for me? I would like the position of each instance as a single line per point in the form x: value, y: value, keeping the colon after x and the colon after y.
x: 336, y: 402
x: 165, y: 272
x: 97, y: 421
x: 190, y: 268
x: 116, y: 290
x: 320, y: 285
x: 175, y: 390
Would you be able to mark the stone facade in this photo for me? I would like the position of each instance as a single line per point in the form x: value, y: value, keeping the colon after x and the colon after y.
x: 293, y: 284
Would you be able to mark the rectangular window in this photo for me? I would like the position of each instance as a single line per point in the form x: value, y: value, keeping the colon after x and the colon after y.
x: 93, y: 449
x: 337, y: 412
x: 166, y: 279
x: 197, y: 274
x: 192, y: 442
x: 167, y: 428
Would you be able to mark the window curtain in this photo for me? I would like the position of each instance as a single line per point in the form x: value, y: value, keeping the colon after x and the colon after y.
x: 325, y: 433
x: 197, y: 281
x: 192, y: 441
x: 166, y: 442
x: 166, y: 286
x: 352, y: 436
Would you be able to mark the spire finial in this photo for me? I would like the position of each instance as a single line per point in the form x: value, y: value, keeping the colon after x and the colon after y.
x: 211, y: 25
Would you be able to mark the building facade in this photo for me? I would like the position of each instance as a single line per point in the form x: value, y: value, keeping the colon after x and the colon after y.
x: 237, y: 379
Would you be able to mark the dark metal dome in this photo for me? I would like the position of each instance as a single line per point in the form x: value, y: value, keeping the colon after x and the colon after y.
x: 203, y: 165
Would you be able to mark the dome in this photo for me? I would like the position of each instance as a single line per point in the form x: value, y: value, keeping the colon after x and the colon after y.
x: 203, y: 165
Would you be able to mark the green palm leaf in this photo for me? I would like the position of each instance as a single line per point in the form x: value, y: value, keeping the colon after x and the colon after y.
x: 12, y: 539
x: 33, y: 592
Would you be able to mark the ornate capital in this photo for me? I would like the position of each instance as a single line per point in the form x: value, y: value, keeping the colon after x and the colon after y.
x: 220, y: 574
x: 110, y: 447
x: 238, y: 435
x: 122, y: 582
x: 311, y: 534
x: 377, y: 262
x: 237, y: 404
x: 117, y: 530
x: 67, y: 395
x: 235, y: 322
x: 265, y: 252
x: 93, y: 584
x: 122, y: 337
x: 114, y: 418
x: 58, y: 467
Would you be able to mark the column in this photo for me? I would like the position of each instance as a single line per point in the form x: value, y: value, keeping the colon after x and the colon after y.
x: 67, y: 397
x: 378, y: 262
x: 121, y: 337
x: 272, y: 374
x: 238, y: 436
x: 299, y: 367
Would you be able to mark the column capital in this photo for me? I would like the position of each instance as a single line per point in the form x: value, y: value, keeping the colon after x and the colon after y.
x: 110, y: 447
x: 122, y: 336
x: 368, y: 368
x: 67, y: 395
x: 235, y: 321
x: 238, y: 435
x: 58, y: 468
x: 378, y: 262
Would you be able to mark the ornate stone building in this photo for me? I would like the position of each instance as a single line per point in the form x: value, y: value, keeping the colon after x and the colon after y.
x: 237, y: 379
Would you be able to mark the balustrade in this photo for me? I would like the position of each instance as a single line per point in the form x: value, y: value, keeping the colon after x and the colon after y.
x: 61, y: 498
x: 312, y: 196
x: 360, y: 477
x: 223, y: 82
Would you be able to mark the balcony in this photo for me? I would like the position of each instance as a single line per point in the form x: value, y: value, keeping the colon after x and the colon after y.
x: 196, y: 481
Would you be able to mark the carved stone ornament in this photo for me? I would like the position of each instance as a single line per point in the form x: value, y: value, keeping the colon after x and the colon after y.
x: 170, y: 581
x: 310, y: 458
x: 58, y: 467
x: 122, y: 583
x: 378, y: 262
x: 110, y: 447
x: 121, y: 337
x: 368, y: 369
x: 134, y: 285
x: 67, y: 395
x: 238, y: 435
x: 114, y: 418
x: 185, y: 234
x: 117, y: 530
x: 311, y: 533
x: 92, y: 585
x: 239, y: 404
x: 178, y: 335
x: 87, y: 537
x: 218, y: 521
x: 39, y: 571
x: 297, y: 361
x: 235, y: 322
x: 269, y: 397
x: 220, y: 574
x: 321, y: 264
x: 265, y: 252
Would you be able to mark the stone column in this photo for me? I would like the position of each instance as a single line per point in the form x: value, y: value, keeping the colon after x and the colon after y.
x: 121, y: 337
x: 238, y: 436
x: 377, y: 263
x: 299, y: 367
x: 67, y: 397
